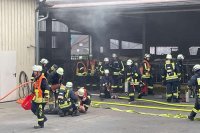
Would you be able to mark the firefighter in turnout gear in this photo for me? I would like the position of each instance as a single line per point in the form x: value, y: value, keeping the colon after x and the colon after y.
x: 169, y: 75
x: 146, y: 72
x: 105, y: 66
x: 91, y: 79
x: 67, y: 101
x: 55, y: 81
x: 182, y: 71
x: 129, y: 79
x: 81, y: 73
x: 41, y: 95
x: 106, y: 85
x: 84, y: 100
x: 195, y: 81
x: 44, y: 63
x: 117, y: 69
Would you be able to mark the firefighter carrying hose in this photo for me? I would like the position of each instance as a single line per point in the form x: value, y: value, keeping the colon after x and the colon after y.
x: 195, y: 81
x: 117, y: 69
x: 41, y: 95
x: 146, y: 72
x: 169, y: 75
x: 67, y: 100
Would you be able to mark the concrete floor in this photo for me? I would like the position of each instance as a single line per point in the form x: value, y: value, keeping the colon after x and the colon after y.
x: 98, y: 120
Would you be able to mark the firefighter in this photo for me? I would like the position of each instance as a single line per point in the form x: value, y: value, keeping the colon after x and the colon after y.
x: 81, y: 73
x: 146, y: 72
x: 91, y: 79
x: 106, y: 85
x: 171, y: 79
x: 129, y: 79
x: 117, y: 69
x: 41, y: 95
x: 182, y: 70
x: 105, y: 66
x: 84, y: 100
x: 55, y: 81
x: 44, y: 63
x: 67, y: 100
x: 195, y: 81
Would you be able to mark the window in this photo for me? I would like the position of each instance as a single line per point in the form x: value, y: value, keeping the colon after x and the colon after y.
x: 54, y: 42
x: 152, y: 50
x: 79, y: 44
x: 114, y: 44
x: 194, y: 50
x: 131, y: 45
x: 165, y: 50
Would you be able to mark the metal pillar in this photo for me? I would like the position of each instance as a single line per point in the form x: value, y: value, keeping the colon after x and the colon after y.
x: 49, y: 39
x: 144, y: 36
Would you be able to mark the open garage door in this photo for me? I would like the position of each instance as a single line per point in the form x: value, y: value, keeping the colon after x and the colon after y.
x: 8, y: 75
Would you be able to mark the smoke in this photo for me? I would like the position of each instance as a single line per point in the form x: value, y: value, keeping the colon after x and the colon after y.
x: 94, y: 20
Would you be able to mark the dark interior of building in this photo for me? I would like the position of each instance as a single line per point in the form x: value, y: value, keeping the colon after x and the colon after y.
x: 174, y: 25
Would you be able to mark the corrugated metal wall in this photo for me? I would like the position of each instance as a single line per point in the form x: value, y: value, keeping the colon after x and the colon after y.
x: 17, y: 31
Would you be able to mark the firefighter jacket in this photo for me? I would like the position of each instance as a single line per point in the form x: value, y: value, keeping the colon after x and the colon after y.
x: 132, y: 74
x: 117, y: 67
x: 145, y: 69
x: 81, y: 69
x: 170, y: 71
x: 55, y: 78
x: 85, y: 100
x: 103, y: 67
x: 40, y: 89
x: 66, y: 97
x: 195, y: 81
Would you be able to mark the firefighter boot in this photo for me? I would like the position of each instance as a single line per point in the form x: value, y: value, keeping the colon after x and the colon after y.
x: 192, y: 115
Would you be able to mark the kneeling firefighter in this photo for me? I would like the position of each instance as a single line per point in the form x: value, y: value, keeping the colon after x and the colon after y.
x: 41, y: 95
x: 195, y: 81
x: 106, y: 85
x: 67, y: 101
x: 84, y: 100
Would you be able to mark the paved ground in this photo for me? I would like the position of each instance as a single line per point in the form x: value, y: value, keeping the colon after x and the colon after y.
x: 98, y: 120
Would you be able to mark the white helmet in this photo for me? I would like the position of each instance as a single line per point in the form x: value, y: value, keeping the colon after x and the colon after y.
x: 180, y: 57
x: 196, y: 67
x: 169, y: 56
x: 81, y: 92
x: 44, y: 61
x: 37, y: 68
x: 129, y: 62
x: 60, y: 71
x: 106, y: 59
x: 69, y: 84
x: 114, y: 55
x: 147, y: 56
x: 106, y: 71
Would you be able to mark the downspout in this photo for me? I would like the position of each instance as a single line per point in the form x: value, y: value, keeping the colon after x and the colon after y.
x: 37, y: 20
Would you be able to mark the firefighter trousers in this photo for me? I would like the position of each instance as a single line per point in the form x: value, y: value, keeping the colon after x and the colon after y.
x: 131, y: 92
x: 172, y: 91
x: 38, y: 110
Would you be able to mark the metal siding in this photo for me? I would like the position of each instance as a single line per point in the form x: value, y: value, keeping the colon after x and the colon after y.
x: 17, y: 31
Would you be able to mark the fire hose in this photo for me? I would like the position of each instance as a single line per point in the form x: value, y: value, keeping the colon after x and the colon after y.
x: 23, y: 87
x: 176, y: 116
x: 14, y: 89
x: 162, y: 103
